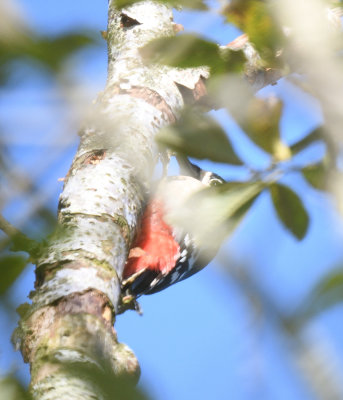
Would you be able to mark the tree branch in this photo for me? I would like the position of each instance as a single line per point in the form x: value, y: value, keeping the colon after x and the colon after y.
x: 257, y: 76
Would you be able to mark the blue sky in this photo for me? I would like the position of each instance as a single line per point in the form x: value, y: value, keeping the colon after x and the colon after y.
x: 199, y: 339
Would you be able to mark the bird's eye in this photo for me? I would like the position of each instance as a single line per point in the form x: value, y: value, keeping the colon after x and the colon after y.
x: 216, y: 182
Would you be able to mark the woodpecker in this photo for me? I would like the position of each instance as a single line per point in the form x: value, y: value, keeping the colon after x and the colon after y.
x: 162, y: 253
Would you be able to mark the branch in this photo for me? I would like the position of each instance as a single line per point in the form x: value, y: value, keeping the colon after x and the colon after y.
x: 255, y: 72
x: 257, y: 76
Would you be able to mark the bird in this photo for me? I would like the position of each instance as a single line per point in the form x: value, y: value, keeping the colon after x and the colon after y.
x: 163, y: 253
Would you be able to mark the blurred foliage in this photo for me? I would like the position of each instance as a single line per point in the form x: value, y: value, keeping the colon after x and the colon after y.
x: 316, y: 175
x: 19, y: 43
x: 198, y: 135
x: 326, y: 294
x: 218, y: 211
x: 255, y: 17
x: 188, y: 50
x: 50, y: 52
x: 11, y: 389
x: 261, y: 124
x: 11, y: 266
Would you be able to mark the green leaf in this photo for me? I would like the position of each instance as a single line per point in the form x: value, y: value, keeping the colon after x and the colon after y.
x: 256, y: 18
x: 290, y: 209
x: 187, y: 50
x: 51, y: 52
x: 11, y: 267
x: 314, y: 136
x: 316, y: 175
x: 192, y: 4
x: 218, y: 211
x: 261, y: 122
x: 199, y: 136
x: 232, y: 92
x: 234, y: 61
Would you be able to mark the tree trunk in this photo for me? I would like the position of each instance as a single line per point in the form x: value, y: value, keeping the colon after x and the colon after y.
x: 77, y: 288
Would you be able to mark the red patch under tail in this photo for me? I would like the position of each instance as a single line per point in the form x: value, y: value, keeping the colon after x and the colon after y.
x: 155, y: 247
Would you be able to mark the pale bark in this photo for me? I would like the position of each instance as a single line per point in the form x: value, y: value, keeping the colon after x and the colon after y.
x: 78, y: 273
